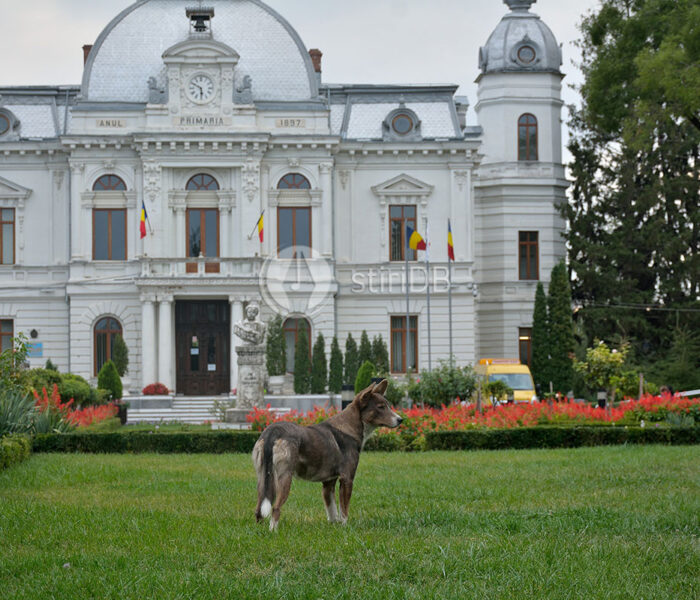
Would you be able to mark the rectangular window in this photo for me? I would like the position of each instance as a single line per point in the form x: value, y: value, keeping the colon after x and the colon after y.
x: 293, y: 232
x: 203, y: 237
x: 525, y: 345
x: 108, y: 234
x: 402, y: 354
x: 7, y: 332
x: 528, y: 255
x: 399, y: 217
x: 7, y: 236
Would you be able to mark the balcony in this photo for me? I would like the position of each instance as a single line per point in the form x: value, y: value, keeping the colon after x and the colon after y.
x: 202, y: 267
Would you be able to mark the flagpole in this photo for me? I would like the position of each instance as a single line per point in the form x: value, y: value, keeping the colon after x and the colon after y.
x: 427, y: 287
x: 408, y: 307
x: 449, y: 300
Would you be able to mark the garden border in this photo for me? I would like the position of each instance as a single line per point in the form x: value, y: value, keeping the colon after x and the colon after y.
x: 13, y: 450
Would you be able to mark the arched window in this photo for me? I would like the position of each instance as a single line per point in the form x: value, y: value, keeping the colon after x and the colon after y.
x: 109, y: 183
x: 294, y: 181
x: 106, y: 331
x: 527, y: 137
x: 202, y: 183
x: 292, y: 329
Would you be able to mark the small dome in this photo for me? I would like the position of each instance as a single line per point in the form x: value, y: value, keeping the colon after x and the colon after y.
x: 521, y: 42
x: 130, y: 50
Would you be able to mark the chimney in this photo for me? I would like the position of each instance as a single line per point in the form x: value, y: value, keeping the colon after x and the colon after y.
x: 86, y: 52
x: 316, y: 56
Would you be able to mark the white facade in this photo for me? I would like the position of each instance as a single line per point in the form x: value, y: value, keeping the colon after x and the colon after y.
x: 237, y: 97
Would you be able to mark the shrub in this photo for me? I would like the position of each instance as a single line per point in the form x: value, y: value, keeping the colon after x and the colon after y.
x: 13, y: 450
x: 16, y: 412
x: 276, y: 348
x: 50, y: 366
x: 12, y: 373
x: 120, y: 355
x: 42, y: 378
x: 380, y: 354
x: 395, y: 392
x: 155, y: 389
x: 52, y: 414
x: 302, y: 364
x: 75, y: 388
x: 108, y: 379
x: 351, y: 361
x: 364, y: 376
x: 319, y: 366
x: 444, y: 385
x: 365, y: 354
x: 335, y: 375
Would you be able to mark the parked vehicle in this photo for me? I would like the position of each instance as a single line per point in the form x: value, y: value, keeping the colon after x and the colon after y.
x: 513, y: 373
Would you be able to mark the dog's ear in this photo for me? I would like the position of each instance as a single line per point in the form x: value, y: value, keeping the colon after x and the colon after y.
x: 380, y: 388
x: 363, y: 397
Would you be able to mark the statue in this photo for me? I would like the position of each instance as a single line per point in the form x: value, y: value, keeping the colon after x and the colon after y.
x: 251, y: 330
x: 156, y: 94
x: 245, y: 91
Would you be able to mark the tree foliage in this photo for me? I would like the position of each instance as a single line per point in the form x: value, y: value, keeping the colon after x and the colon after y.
x: 364, y: 376
x: 634, y: 217
x: 365, y: 349
x: 108, y: 379
x: 540, y: 340
x: 380, y: 354
x: 561, y: 330
x: 120, y: 355
x: 302, y: 364
x: 276, y: 348
x: 319, y: 366
x: 335, y: 374
x: 352, y: 363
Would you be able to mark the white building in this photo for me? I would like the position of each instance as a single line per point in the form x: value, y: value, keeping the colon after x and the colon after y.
x: 220, y: 113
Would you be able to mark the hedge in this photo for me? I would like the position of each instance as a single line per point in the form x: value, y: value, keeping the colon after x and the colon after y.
x: 219, y: 442
x: 558, y: 437
x: 13, y: 450
x: 215, y: 442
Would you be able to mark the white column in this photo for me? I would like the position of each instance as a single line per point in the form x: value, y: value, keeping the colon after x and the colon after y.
x: 327, y: 208
x: 165, y: 342
x: 180, y: 233
x: 236, y: 317
x: 149, y: 347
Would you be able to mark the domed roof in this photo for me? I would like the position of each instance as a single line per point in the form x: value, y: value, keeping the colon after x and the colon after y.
x: 520, y: 42
x: 130, y: 50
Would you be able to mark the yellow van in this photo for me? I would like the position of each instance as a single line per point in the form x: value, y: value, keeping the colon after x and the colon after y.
x: 510, y: 371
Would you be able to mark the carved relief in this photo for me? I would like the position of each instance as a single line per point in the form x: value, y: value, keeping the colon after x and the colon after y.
x: 151, y: 179
x: 251, y: 179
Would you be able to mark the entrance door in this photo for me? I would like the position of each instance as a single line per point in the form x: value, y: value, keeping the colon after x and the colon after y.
x: 203, y: 344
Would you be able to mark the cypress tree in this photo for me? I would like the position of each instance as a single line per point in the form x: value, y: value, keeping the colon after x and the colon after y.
x: 364, y: 376
x: 335, y: 375
x: 561, y: 330
x: 108, y: 379
x: 365, y: 349
x: 540, y: 340
x: 120, y: 356
x: 352, y: 363
x: 380, y: 354
x: 302, y: 364
x: 319, y: 366
x: 276, y: 350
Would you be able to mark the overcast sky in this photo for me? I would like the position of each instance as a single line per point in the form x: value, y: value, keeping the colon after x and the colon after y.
x: 363, y: 41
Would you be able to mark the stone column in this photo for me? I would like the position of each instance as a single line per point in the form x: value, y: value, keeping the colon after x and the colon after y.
x: 327, y: 208
x: 165, y: 342
x: 236, y: 317
x: 149, y: 347
x: 180, y: 233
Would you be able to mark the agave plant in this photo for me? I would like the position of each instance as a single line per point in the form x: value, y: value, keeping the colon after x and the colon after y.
x: 17, y: 412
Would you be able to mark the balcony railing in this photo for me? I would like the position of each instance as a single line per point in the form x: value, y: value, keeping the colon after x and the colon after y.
x: 204, y: 266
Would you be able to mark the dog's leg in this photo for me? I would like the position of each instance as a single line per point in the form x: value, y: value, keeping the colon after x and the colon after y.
x: 345, y: 493
x: 260, y: 472
x: 329, y: 500
x: 284, y: 484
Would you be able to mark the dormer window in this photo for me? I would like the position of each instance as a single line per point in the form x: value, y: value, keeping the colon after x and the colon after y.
x: 526, y: 54
x: 401, y: 125
x: 4, y: 124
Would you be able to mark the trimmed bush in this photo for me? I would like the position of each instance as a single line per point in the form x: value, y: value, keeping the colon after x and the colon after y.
x: 120, y: 355
x: 351, y: 360
x: 108, y: 379
x: 214, y: 442
x: 155, y: 389
x: 365, y: 354
x: 443, y: 385
x: 13, y: 450
x: 276, y: 348
x: 335, y: 375
x: 319, y: 366
x: 364, y: 376
x: 302, y: 364
x: 380, y: 354
x: 79, y: 391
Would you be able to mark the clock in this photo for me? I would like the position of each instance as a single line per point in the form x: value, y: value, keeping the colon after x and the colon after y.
x: 200, y: 88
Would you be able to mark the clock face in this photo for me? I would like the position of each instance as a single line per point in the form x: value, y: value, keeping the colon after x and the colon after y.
x: 201, y: 88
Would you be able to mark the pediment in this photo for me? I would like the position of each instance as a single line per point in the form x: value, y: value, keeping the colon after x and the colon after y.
x: 403, y: 185
x: 206, y: 50
x: 11, y: 190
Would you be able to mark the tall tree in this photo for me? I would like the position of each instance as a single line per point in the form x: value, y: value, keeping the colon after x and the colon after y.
x: 561, y: 330
x: 380, y: 354
x: 319, y: 366
x: 276, y: 348
x: 302, y: 364
x: 540, y: 340
x: 335, y: 374
x: 634, y: 215
x: 365, y: 349
x: 352, y: 363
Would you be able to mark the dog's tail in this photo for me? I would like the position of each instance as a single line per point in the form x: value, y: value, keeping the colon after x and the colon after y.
x: 268, y: 479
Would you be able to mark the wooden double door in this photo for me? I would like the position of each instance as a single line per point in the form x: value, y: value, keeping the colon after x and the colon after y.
x: 203, y: 347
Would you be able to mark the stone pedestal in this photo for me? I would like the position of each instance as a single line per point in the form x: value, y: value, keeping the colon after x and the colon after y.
x: 251, y: 376
x: 237, y: 416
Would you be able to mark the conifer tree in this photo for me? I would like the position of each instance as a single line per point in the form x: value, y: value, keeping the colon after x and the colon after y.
x: 380, y: 354
x: 276, y: 350
x: 335, y: 375
x: 319, y: 366
x: 540, y: 340
x: 365, y: 349
x: 561, y: 330
x: 352, y: 363
x: 120, y: 355
x: 302, y: 364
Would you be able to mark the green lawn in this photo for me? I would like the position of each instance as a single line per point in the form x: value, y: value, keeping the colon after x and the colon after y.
x: 596, y: 523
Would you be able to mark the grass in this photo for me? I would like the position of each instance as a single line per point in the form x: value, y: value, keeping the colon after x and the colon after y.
x: 592, y: 523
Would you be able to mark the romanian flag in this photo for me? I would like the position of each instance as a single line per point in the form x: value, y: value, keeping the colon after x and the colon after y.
x: 450, y: 242
x: 144, y: 216
x: 414, y: 239
x: 261, y: 227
